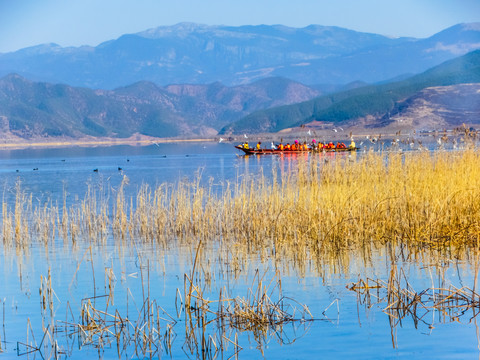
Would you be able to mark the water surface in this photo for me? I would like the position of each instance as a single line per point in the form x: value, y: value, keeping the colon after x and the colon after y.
x: 344, y: 326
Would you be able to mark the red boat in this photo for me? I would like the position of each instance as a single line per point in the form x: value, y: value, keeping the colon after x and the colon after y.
x: 251, y: 151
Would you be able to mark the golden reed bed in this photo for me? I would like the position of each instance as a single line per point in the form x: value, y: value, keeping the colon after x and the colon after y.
x: 319, y: 210
x: 316, y: 208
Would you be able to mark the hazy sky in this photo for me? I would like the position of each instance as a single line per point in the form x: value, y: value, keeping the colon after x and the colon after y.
x: 89, y: 22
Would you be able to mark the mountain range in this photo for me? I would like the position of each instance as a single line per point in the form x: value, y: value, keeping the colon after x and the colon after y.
x: 200, y: 54
x: 192, y: 80
x: 35, y: 109
x: 381, y: 102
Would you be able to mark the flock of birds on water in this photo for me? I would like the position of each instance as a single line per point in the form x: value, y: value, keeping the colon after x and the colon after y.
x: 394, y: 144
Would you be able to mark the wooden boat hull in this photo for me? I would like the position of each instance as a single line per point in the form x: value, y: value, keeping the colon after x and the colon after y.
x: 274, y: 151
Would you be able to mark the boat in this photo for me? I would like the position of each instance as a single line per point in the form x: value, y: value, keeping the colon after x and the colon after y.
x: 253, y: 151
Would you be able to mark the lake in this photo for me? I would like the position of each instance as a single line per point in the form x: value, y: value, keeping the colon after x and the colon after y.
x: 124, y: 293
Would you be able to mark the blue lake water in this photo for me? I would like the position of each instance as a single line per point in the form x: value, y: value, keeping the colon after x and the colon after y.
x: 343, y: 326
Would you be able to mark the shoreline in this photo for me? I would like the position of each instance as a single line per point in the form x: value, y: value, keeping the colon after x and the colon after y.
x: 12, y: 145
x: 15, y: 143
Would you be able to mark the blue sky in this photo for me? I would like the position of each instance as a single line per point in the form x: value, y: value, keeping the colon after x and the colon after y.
x: 89, y: 22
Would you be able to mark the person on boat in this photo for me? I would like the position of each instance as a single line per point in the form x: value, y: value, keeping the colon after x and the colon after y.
x: 245, y: 145
x: 259, y: 145
x: 280, y: 147
x: 295, y: 146
x: 313, y: 145
x: 330, y: 145
x: 288, y: 147
x: 298, y: 145
x: 305, y: 146
x: 352, y: 145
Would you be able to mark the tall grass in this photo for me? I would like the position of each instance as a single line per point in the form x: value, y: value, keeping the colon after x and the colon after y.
x: 320, y: 209
x: 445, y: 302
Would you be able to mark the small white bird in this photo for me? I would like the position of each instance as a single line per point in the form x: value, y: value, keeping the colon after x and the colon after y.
x: 221, y: 139
x: 245, y: 135
x: 341, y: 129
x: 272, y: 146
x: 335, y: 130
x: 309, y: 132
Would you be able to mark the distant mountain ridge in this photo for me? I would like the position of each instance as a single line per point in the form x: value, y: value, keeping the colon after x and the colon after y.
x: 200, y: 54
x: 381, y: 102
x: 34, y: 109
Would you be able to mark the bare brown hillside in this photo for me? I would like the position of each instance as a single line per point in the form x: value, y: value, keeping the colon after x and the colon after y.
x: 441, y: 107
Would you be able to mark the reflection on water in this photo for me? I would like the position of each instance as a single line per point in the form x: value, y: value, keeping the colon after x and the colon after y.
x: 128, y: 296
x: 108, y: 300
